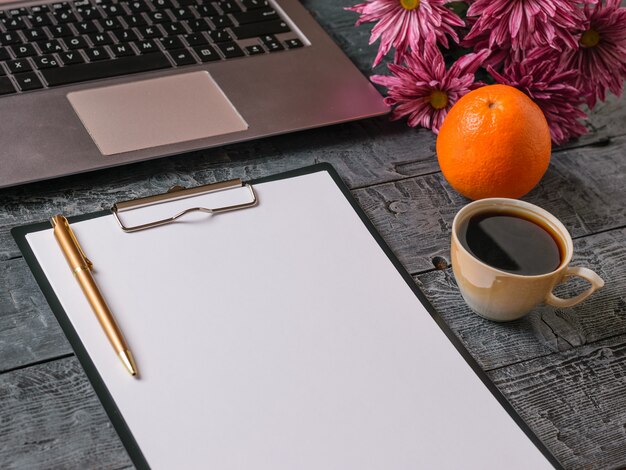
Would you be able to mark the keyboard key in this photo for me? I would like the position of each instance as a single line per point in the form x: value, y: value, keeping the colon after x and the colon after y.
x: 255, y: 16
x: 2, y: 71
x: 172, y: 43
x: 18, y: 65
x: 60, y: 6
x: 206, y: 53
x: 64, y: 16
x: 18, y: 11
x: 71, y: 58
x: 274, y: 46
x: 148, y: 32
x: 45, y: 62
x: 158, y: 17
x: 183, y: 3
x: 147, y: 46
x: 182, y: 13
x: 220, y: 36
x: 293, y: 43
x: 162, y: 4
x: 97, y: 53
x: 35, y: 34
x: 182, y: 57
x: 198, y: 25
x: 4, y: 54
x: 221, y: 22
x: 207, y: 10
x: 136, y: 6
x: 252, y: 4
x: 135, y: 21
x: 196, y: 39
x: 266, y: 38
x: 50, y: 46
x: 125, y: 35
x: 89, y: 13
x: 76, y: 42
x: 6, y: 86
x: 228, y: 6
x: 86, y: 27
x: 173, y: 29
x: 8, y: 38
x: 40, y: 19
x: 28, y: 81
x: 12, y: 24
x: 111, y: 23
x: 260, y: 29
x: 112, y: 9
x: 122, y: 50
x: 105, y: 69
x: 24, y: 50
x: 230, y: 49
x: 100, y: 39
x: 255, y: 49
x: 38, y: 9
x: 60, y: 30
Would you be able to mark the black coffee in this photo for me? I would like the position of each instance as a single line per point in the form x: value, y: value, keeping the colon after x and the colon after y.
x: 511, y: 243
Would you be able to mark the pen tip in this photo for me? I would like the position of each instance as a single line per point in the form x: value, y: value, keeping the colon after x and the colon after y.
x: 129, y: 362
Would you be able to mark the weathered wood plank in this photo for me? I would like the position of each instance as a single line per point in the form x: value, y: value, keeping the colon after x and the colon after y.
x: 414, y: 216
x: 584, y: 187
x: 545, y: 330
x: 574, y: 402
x: 51, y: 418
x: 29, y: 332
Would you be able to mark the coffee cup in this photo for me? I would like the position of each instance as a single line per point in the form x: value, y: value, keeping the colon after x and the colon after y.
x: 488, y: 237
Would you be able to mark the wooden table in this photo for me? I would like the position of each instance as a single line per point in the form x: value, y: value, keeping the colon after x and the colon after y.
x: 564, y: 371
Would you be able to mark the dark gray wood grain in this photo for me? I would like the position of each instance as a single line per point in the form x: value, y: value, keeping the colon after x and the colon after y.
x: 563, y: 370
x: 414, y: 215
x: 29, y: 332
x: 575, y: 402
x: 51, y: 418
x: 546, y: 330
x: 584, y: 187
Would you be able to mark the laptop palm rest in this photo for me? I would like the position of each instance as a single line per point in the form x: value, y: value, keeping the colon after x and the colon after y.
x: 155, y: 112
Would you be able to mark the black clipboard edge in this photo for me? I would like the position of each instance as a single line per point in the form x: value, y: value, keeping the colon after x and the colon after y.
x: 128, y: 440
x: 102, y: 392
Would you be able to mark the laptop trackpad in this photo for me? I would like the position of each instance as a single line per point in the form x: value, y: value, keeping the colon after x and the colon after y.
x: 159, y: 111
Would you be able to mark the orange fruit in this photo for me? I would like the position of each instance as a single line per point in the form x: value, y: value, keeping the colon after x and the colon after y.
x: 494, y: 142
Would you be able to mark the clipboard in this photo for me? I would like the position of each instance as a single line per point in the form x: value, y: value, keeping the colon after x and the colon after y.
x: 419, y: 411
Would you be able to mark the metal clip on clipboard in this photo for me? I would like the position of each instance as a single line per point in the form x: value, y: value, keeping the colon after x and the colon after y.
x: 177, y: 193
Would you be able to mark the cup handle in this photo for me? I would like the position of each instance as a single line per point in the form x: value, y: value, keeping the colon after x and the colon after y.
x: 589, y: 276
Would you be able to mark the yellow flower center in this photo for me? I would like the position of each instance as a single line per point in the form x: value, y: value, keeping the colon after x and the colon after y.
x: 410, y: 4
x: 590, y: 38
x: 439, y: 99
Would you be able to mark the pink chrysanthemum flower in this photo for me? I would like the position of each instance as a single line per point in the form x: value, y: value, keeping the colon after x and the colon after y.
x: 424, y: 90
x: 601, y: 57
x: 405, y: 24
x: 522, y: 24
x: 552, y: 87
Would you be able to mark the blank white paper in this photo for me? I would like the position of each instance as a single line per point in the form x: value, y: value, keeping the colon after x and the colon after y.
x: 279, y: 337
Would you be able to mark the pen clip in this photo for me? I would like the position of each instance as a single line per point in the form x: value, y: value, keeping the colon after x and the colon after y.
x: 76, y: 244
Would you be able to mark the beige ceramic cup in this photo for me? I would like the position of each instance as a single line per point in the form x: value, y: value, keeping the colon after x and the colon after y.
x: 501, y: 296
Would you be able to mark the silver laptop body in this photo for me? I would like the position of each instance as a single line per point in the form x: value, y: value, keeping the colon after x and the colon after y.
x: 68, y: 128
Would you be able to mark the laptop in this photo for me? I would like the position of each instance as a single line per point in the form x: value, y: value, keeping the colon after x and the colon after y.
x: 91, y: 84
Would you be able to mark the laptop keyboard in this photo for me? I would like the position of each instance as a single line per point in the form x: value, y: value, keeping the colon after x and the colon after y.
x: 70, y: 42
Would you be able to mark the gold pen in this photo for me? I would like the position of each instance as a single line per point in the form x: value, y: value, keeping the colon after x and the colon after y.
x: 81, y: 267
